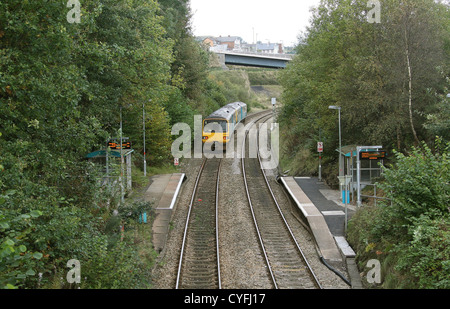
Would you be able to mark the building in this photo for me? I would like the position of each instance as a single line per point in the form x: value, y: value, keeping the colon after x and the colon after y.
x: 232, y: 42
x: 236, y: 43
x: 267, y: 48
x: 221, y: 43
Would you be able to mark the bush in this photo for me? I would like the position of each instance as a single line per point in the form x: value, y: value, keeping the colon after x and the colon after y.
x: 419, y: 183
x: 263, y: 77
x: 411, y: 238
x: 426, y: 258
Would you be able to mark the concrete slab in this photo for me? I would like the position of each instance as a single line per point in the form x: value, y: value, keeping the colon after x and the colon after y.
x: 163, y: 193
x: 335, y: 196
x: 156, y: 189
x: 171, y: 190
x: 315, y: 219
x: 344, y: 247
x: 353, y: 272
x: 160, y: 228
x: 333, y: 213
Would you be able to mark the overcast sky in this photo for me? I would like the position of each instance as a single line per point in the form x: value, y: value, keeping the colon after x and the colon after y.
x: 263, y: 20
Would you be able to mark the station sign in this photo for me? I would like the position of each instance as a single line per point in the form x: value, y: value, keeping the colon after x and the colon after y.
x: 115, y: 144
x: 372, y: 155
x: 320, y: 147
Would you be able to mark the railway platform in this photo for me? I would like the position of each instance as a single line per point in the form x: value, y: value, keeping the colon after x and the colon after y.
x: 324, y: 212
x: 163, y: 193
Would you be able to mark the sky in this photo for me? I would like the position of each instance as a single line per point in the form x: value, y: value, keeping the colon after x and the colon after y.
x: 274, y: 21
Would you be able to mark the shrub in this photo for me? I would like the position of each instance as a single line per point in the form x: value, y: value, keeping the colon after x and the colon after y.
x: 426, y: 258
x: 411, y: 238
x: 419, y: 183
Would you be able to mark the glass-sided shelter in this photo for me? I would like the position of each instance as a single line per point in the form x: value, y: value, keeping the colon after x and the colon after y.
x: 109, y: 157
x: 363, y: 164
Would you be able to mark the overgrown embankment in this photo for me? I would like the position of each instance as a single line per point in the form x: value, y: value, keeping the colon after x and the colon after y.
x: 252, y: 86
x: 411, y: 236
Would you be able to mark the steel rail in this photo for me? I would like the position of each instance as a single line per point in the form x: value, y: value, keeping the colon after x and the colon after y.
x: 269, y: 267
x: 217, y: 225
x: 316, y: 280
x: 195, y: 190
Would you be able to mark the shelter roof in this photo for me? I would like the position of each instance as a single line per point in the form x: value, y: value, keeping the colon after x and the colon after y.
x: 113, y: 153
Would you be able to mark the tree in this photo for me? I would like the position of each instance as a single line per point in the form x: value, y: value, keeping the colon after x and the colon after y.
x: 62, y: 86
x: 386, y: 76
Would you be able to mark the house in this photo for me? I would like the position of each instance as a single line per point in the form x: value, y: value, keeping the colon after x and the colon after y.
x: 236, y: 43
x: 275, y: 48
x: 232, y: 42
x: 221, y: 43
x: 269, y: 48
x: 209, y: 41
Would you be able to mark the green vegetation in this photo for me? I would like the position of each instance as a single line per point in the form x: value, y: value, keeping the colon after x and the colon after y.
x: 263, y: 76
x: 411, y: 237
x: 234, y: 85
x: 63, y: 89
x: 391, y: 81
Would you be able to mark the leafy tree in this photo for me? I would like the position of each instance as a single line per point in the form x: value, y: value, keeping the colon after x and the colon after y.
x: 429, y: 174
x: 190, y: 66
x: 61, y: 89
x: 410, y: 236
x: 377, y: 73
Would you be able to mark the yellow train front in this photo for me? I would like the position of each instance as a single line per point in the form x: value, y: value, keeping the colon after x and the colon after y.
x: 219, y: 126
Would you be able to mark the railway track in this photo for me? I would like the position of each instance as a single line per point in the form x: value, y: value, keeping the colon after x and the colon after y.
x: 286, y: 263
x: 199, y: 264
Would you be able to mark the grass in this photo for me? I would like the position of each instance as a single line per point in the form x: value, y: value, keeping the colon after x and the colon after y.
x: 253, y: 86
x: 160, y: 170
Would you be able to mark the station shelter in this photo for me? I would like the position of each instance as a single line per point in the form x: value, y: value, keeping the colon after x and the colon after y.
x: 114, y: 171
x: 363, y: 164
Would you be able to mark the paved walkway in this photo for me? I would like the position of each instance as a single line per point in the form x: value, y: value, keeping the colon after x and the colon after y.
x: 328, y: 202
x: 163, y: 193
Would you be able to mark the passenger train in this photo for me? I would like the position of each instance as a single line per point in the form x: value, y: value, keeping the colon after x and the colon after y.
x: 227, y: 117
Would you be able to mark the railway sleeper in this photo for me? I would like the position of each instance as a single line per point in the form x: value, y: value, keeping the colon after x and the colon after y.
x: 200, y: 273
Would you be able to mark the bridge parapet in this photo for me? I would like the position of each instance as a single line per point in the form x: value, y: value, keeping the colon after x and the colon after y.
x: 287, y: 57
x: 254, y: 59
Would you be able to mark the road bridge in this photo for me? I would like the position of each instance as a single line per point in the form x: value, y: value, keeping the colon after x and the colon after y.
x: 263, y: 60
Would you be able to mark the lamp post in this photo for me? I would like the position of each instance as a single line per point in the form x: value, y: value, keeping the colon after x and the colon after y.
x: 121, y: 159
x: 143, y: 131
x: 340, y: 139
x: 340, y: 145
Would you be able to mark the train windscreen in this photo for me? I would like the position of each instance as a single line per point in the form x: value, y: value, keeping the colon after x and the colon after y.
x: 222, y: 123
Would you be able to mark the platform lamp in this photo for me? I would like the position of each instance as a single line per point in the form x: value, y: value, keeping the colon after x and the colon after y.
x: 122, y: 193
x: 340, y: 140
x: 143, y: 132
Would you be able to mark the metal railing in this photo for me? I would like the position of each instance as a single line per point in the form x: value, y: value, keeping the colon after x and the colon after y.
x: 272, y: 55
x: 375, y: 197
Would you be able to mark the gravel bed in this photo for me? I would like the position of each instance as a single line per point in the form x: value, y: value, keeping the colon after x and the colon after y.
x: 165, y: 270
x: 242, y: 263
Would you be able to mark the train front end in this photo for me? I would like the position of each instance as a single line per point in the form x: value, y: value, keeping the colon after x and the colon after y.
x: 215, y: 132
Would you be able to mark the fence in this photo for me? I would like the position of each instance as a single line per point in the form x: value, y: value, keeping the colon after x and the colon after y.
x: 375, y: 197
